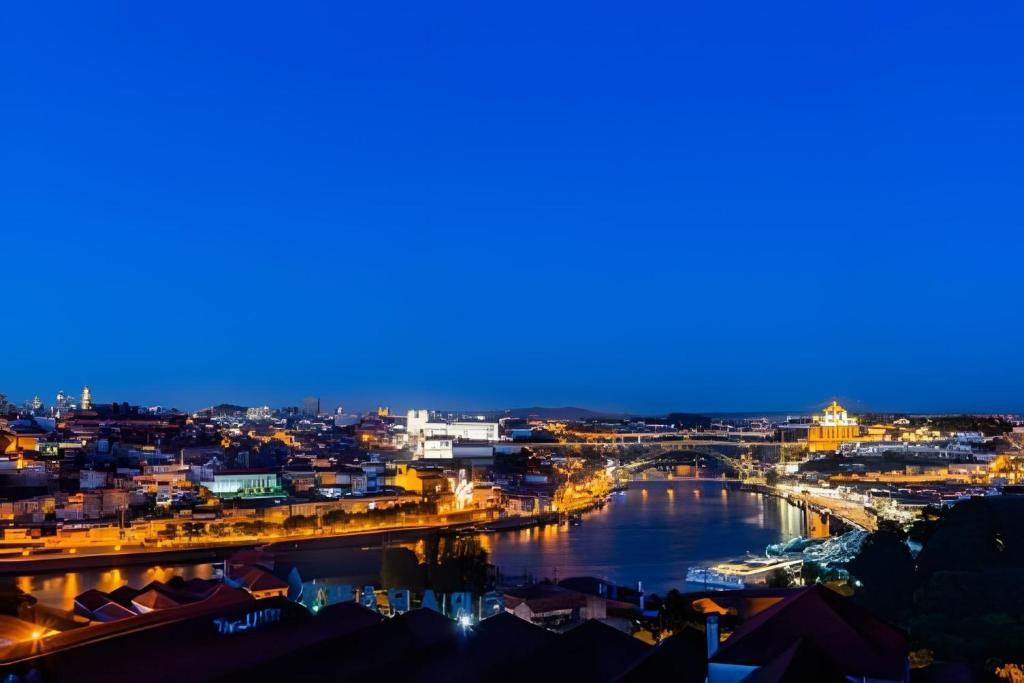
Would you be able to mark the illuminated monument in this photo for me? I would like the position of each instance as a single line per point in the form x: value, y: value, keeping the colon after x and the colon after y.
x: 86, y: 403
x: 831, y: 429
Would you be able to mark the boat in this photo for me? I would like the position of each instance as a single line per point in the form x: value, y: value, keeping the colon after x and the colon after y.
x: 743, y: 572
x: 709, y: 577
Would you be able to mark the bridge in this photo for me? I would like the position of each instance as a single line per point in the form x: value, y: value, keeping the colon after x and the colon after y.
x: 642, y: 463
x: 710, y: 444
x: 658, y: 441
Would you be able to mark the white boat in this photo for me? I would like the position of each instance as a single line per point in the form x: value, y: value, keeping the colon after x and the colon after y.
x: 743, y: 572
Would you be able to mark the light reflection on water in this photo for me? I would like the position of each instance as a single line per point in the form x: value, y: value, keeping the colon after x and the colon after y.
x: 653, y: 533
x: 59, y: 590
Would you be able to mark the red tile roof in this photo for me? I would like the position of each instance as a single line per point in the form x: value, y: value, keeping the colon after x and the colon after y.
x: 859, y: 643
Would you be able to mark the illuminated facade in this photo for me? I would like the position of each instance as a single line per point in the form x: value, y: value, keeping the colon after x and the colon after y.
x: 12, y: 443
x: 245, y: 484
x: 420, y: 428
x: 258, y: 413
x: 63, y: 405
x: 86, y: 403
x: 831, y: 429
x: 422, y: 481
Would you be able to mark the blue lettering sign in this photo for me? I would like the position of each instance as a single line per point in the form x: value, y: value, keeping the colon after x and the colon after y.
x: 251, y: 620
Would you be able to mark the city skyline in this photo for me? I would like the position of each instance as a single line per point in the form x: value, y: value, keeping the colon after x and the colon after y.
x: 328, y: 405
x: 587, y: 341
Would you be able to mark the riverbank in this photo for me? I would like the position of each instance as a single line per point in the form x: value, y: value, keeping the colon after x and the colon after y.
x: 74, y: 559
x: 848, y: 513
x: 651, y: 533
x: 530, y: 521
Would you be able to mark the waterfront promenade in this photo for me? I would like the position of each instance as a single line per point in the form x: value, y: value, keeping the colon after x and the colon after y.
x: 849, y: 511
x: 57, y: 558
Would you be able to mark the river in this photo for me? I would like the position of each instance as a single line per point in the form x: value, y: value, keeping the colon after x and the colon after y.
x: 653, y: 533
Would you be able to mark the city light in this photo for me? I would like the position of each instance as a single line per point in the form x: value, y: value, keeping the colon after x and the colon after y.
x: 592, y: 342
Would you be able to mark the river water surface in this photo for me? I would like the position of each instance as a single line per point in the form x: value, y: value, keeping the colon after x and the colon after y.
x: 651, y: 533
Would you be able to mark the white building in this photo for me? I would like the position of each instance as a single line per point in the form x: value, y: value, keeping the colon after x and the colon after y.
x: 420, y: 428
x: 835, y: 416
x: 258, y: 413
x: 436, y: 447
x: 418, y: 423
x: 941, y: 450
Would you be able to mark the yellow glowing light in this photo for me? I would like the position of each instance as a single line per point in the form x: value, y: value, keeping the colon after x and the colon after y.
x: 36, y: 635
x: 72, y: 551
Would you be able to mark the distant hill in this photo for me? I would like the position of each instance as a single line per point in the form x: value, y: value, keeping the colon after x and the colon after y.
x: 227, y: 409
x: 563, y: 413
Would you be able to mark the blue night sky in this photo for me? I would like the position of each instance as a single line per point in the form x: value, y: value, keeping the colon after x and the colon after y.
x: 634, y: 206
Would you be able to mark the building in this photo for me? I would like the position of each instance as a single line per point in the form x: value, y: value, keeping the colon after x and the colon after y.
x: 257, y: 413
x: 311, y: 406
x: 245, y: 484
x: 420, y: 427
x: 437, y: 448
x: 943, y: 450
x: 260, y: 580
x: 86, y: 403
x: 421, y: 480
x: 811, y: 631
x: 13, y: 440
x: 63, y: 405
x: 831, y: 429
x: 553, y: 606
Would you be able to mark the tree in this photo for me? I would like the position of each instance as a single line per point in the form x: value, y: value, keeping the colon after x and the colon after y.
x: 884, y: 571
x: 977, y: 534
x: 247, y: 528
x: 771, y: 477
x: 460, y: 565
x: 335, y: 518
x: 813, y: 572
x: 677, y: 611
x: 779, y: 578
x: 401, y: 569
x: 191, y: 529
x: 297, y: 522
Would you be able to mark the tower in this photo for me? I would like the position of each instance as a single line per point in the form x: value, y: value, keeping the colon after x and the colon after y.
x: 63, y: 404
x: 311, y: 406
x: 830, y: 430
x: 86, y: 403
